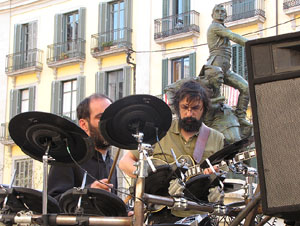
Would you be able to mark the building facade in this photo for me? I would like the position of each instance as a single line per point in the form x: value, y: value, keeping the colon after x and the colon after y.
x: 58, y: 52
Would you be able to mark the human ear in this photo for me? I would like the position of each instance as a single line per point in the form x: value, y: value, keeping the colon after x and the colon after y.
x: 84, y: 125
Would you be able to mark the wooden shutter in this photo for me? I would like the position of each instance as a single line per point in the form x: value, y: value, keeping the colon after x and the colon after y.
x: 103, y: 25
x: 186, y: 5
x: 165, y: 13
x: 192, y: 60
x: 101, y: 81
x: 32, y: 91
x: 127, y: 81
x: 17, y: 46
x: 14, y: 102
x: 58, y: 36
x: 32, y: 44
x: 128, y: 20
x: 238, y: 60
x: 80, y: 94
x: 81, y: 30
x: 164, y: 74
x: 56, y: 97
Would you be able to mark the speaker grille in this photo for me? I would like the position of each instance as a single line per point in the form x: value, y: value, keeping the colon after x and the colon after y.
x: 278, y: 114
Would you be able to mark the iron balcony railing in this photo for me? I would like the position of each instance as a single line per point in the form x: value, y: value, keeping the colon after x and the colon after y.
x: 23, y: 60
x: 290, y: 3
x: 4, y: 134
x: 66, y: 50
x: 176, y: 24
x: 237, y: 10
x: 111, y: 39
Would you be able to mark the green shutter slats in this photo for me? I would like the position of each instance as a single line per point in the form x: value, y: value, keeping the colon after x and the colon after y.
x: 56, y: 95
x: 101, y: 83
x: 103, y: 21
x: 31, y: 98
x: 127, y: 81
x: 80, y: 94
x: 14, y: 103
x: 81, y: 29
x: 128, y: 20
x: 17, y: 46
x: 58, y: 35
x: 192, y: 60
x: 164, y: 74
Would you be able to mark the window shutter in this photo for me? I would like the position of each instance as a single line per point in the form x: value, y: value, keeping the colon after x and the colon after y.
x: 58, y: 35
x: 192, y: 68
x: 81, y: 30
x: 32, y: 43
x: 186, y: 5
x: 103, y: 25
x: 17, y: 47
x: 165, y: 13
x: 31, y: 98
x: 128, y: 20
x: 127, y: 81
x: 80, y: 94
x: 14, y: 103
x: 56, y: 97
x: 164, y: 74
x: 238, y: 60
x: 101, y: 81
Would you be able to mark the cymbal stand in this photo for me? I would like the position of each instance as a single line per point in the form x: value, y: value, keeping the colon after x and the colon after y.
x: 142, y: 173
x: 78, y: 208
x: 9, y: 187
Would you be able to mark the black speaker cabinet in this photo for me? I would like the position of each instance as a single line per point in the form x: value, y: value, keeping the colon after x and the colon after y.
x: 274, y: 84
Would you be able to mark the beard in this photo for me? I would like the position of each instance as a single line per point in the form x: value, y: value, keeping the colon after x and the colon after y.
x: 190, y: 124
x: 97, y: 138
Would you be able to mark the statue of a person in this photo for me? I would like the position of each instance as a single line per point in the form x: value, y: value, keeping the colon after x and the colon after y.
x: 218, y: 39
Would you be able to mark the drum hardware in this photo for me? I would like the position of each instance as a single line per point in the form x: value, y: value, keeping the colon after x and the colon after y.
x: 4, y: 207
x: 79, y: 210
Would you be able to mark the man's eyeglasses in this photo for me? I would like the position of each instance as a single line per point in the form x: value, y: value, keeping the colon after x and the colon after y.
x: 186, y: 108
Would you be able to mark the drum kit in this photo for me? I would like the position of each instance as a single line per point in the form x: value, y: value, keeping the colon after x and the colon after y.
x: 133, y: 122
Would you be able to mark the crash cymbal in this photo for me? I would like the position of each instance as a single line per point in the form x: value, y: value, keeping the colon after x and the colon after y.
x: 33, y: 131
x: 135, y: 114
x: 229, y: 151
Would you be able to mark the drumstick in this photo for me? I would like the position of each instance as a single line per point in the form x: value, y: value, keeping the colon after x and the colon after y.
x: 114, y: 165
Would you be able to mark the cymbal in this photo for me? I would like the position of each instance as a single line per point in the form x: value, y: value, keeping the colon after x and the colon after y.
x: 229, y: 151
x: 33, y: 131
x: 135, y: 114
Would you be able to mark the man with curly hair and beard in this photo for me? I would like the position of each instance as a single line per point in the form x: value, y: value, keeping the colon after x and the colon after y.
x: 63, y: 178
x: 188, y: 135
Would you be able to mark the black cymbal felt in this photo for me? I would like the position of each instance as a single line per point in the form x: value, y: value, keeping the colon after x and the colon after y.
x: 229, y: 151
x: 20, y: 198
x: 93, y: 202
x: 33, y: 131
x: 135, y: 114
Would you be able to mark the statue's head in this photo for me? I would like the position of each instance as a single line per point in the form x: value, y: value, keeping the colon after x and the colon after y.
x: 219, y: 13
x: 212, y: 76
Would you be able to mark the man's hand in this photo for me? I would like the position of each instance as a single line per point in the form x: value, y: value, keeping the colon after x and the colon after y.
x: 97, y: 184
x: 209, y: 171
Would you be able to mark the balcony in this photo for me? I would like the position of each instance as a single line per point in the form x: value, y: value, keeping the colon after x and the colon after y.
x: 24, y: 62
x: 5, y: 138
x: 291, y: 7
x: 244, y: 13
x: 176, y: 27
x: 66, y: 53
x: 111, y: 42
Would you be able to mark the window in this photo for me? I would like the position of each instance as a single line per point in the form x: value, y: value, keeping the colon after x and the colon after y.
x: 66, y: 95
x: 243, y: 9
x: 239, y: 63
x: 25, y: 44
x: 69, y: 35
x: 69, y: 99
x: 117, y: 15
x: 22, y: 100
x: 116, y: 84
x: 71, y: 28
x: 181, y: 67
x: 115, y: 22
x: 23, y: 168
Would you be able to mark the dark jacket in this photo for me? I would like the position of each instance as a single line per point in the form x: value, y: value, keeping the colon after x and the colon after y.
x: 63, y: 178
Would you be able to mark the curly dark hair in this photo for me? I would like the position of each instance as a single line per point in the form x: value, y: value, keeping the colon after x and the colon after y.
x: 83, y: 109
x: 194, y: 91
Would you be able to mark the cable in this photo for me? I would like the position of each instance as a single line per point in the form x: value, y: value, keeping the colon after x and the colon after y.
x: 203, y: 44
x: 76, y: 163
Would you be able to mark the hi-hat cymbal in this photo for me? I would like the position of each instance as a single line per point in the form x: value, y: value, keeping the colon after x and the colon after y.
x: 135, y: 114
x: 229, y: 151
x: 33, y: 131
